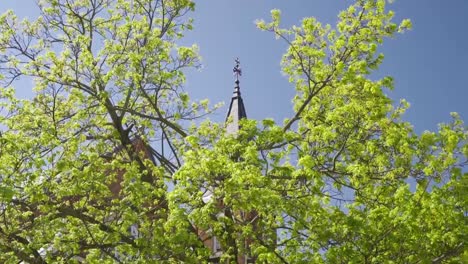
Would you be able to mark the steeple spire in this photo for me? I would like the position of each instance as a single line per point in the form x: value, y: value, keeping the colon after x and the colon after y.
x: 236, y: 109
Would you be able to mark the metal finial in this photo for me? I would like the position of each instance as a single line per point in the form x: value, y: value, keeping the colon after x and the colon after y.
x: 237, y: 70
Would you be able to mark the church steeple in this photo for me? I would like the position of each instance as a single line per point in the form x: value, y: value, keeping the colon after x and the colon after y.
x: 236, y: 109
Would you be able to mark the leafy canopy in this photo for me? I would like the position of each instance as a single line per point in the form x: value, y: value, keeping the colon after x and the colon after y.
x: 108, y: 163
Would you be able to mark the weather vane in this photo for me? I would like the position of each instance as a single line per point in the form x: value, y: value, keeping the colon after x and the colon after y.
x: 237, y: 70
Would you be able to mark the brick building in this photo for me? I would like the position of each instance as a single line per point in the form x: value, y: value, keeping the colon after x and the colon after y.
x: 235, y: 113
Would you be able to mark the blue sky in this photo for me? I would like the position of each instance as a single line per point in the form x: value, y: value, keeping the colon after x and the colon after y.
x: 429, y: 63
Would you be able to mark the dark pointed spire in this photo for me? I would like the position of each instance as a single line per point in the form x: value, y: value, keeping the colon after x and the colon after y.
x: 236, y: 109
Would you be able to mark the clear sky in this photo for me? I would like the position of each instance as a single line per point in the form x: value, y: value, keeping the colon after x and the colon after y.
x: 429, y: 63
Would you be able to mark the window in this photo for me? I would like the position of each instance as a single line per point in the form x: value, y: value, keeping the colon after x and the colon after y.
x: 216, y: 245
x: 134, y: 231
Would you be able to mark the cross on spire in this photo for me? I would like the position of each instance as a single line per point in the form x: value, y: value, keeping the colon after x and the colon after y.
x: 237, y: 70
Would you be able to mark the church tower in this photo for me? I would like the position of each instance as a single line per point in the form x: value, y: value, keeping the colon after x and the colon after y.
x: 235, y: 113
x: 236, y: 109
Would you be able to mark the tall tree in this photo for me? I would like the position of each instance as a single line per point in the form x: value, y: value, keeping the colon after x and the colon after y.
x: 107, y: 146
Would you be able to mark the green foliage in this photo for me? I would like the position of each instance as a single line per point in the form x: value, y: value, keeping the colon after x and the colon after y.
x: 109, y: 143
